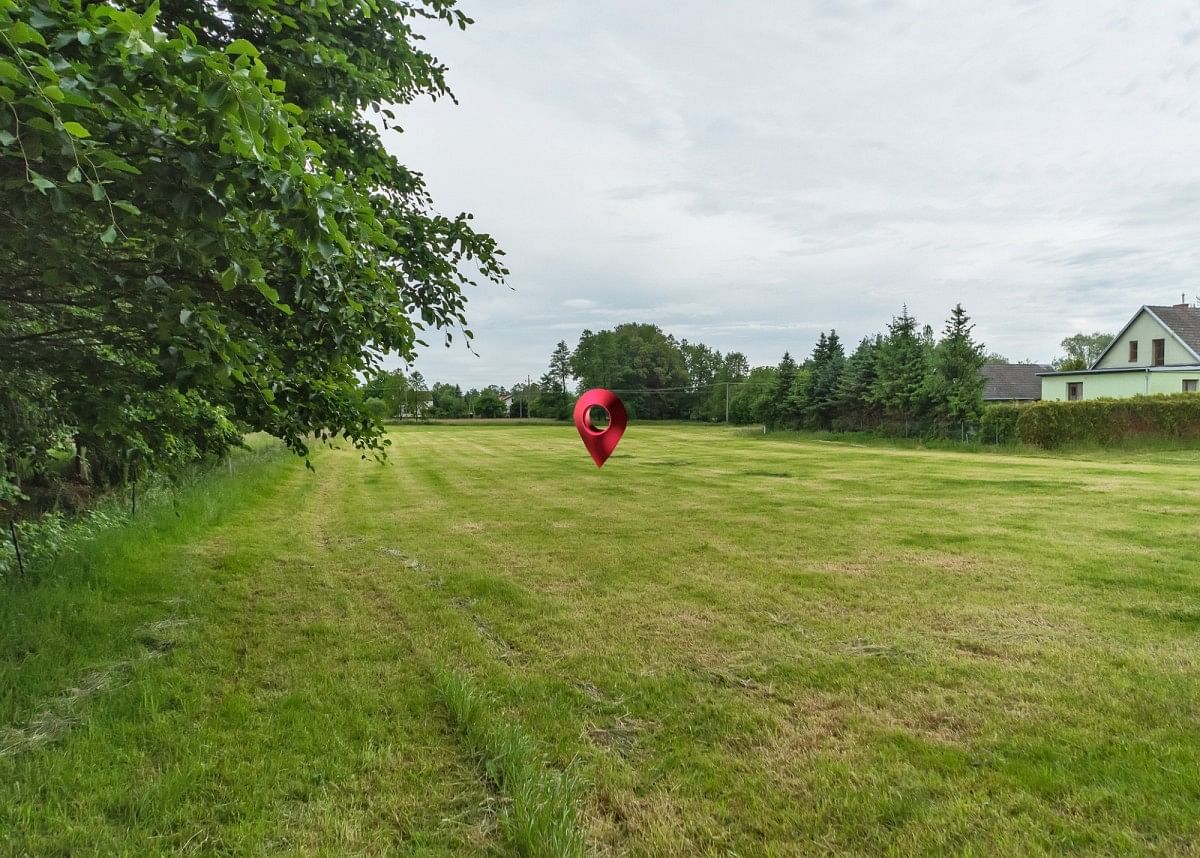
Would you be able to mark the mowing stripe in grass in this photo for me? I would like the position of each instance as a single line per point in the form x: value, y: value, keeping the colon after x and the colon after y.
x: 540, y: 817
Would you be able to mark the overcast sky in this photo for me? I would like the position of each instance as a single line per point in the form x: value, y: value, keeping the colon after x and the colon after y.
x: 747, y: 175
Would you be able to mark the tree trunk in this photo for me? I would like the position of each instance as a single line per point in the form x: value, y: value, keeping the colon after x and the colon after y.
x: 81, y: 463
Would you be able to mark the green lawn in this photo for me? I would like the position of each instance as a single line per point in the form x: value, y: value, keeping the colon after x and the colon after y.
x: 720, y: 643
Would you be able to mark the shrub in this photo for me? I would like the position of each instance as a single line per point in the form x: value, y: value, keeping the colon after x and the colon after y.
x: 1110, y: 421
x: 376, y: 407
x: 998, y: 424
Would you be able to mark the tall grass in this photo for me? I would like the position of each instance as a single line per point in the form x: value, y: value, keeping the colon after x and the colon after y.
x: 56, y: 535
x: 107, y: 573
x: 539, y: 816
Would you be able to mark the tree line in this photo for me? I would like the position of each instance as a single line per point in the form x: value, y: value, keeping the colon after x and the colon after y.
x: 906, y: 377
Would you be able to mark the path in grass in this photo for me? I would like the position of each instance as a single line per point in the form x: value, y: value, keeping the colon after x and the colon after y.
x: 718, y: 642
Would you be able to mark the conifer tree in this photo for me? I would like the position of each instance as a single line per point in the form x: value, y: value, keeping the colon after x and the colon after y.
x: 901, y: 366
x: 825, y: 370
x: 955, y: 385
x: 778, y: 406
x: 854, y: 407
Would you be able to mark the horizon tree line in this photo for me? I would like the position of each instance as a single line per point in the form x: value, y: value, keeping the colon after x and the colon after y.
x: 903, y: 377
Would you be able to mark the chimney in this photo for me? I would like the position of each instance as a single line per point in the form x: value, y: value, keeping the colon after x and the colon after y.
x: 1184, y: 302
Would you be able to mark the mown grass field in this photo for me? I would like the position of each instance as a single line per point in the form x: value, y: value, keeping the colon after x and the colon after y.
x: 718, y: 644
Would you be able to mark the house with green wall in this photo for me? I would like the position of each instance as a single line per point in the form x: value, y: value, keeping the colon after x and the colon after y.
x: 1157, y: 352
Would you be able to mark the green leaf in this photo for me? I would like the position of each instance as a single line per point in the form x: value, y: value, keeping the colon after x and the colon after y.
x: 23, y: 34
x: 40, y: 182
x: 7, y: 139
x: 241, y: 47
x: 38, y: 18
x: 126, y: 206
x: 53, y: 92
x: 109, y: 235
x: 151, y: 14
x: 267, y: 292
x: 184, y: 315
x: 74, y: 175
x: 76, y: 130
x: 279, y: 136
x: 215, y: 95
x: 229, y: 278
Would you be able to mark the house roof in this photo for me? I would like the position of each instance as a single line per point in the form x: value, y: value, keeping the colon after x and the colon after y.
x: 1007, y: 381
x: 1184, y: 322
x: 1181, y: 322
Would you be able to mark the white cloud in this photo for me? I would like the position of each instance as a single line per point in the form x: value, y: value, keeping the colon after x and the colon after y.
x: 750, y: 175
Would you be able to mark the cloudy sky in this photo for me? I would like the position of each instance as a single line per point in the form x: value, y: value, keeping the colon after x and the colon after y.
x: 747, y: 175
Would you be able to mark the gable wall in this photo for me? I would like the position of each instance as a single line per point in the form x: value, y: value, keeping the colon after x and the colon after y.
x: 1145, y: 330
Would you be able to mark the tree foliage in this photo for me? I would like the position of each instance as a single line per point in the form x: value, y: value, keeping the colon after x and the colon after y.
x: 202, y: 223
x: 955, y: 383
x: 901, y: 365
x: 1080, y: 351
x: 553, y: 390
x: 640, y: 361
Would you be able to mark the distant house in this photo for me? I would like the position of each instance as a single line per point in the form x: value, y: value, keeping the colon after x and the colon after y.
x: 1012, y: 382
x: 1158, y: 351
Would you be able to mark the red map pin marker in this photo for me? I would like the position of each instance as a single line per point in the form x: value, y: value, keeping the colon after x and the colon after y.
x: 600, y: 442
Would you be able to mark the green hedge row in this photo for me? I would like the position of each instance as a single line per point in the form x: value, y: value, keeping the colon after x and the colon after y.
x: 998, y: 423
x: 1109, y: 421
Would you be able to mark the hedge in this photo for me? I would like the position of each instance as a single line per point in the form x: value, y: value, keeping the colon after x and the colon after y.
x: 1110, y: 421
x: 998, y: 423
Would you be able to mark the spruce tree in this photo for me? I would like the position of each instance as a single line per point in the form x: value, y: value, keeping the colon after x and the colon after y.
x: 778, y: 406
x: 853, y: 405
x: 560, y: 364
x: 901, y: 366
x: 825, y: 371
x: 955, y: 387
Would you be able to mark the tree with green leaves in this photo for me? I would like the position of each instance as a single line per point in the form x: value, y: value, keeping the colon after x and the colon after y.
x: 553, y: 395
x: 633, y: 358
x: 750, y: 401
x: 825, y: 369
x: 855, y: 407
x: 553, y: 391
x: 901, y: 365
x: 391, y: 388
x: 779, y: 411
x: 955, y: 383
x: 219, y: 228
x: 488, y: 404
x: 447, y: 400
x: 703, y: 365
x: 1082, y: 350
x: 560, y: 365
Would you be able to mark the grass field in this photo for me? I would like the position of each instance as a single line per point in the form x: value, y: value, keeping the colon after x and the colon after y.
x: 718, y: 644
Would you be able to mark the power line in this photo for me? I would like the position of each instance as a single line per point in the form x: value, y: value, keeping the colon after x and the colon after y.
x: 695, y: 389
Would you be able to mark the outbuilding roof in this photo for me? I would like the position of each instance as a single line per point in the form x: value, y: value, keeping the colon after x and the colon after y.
x: 1012, y: 381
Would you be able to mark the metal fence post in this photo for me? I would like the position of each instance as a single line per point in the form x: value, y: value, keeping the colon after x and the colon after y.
x: 12, y: 529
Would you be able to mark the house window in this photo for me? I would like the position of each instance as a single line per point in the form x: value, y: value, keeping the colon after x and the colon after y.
x: 1160, y: 352
x: 1133, y: 351
x: 1191, y: 385
x: 1074, y: 390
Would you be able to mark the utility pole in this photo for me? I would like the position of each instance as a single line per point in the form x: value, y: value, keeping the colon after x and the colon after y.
x: 727, y: 402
